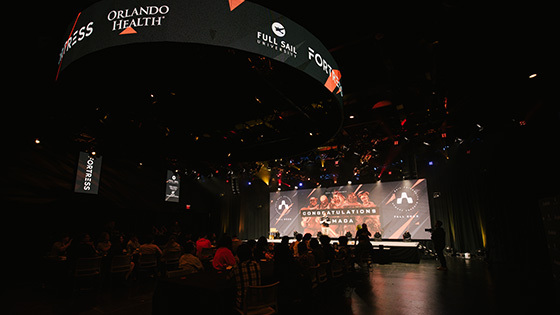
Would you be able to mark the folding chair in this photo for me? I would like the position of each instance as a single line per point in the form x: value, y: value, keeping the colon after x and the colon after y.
x: 88, y: 269
x: 260, y: 300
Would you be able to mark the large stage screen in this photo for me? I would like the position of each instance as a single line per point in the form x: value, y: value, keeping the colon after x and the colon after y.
x: 390, y: 208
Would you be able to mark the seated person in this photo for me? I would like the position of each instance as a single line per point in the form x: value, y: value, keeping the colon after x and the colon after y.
x: 246, y: 273
x: 104, y: 244
x: 318, y: 251
x: 305, y: 258
x: 189, y: 261
x: 59, y: 248
x: 149, y: 248
x: 201, y: 243
x: 224, y: 259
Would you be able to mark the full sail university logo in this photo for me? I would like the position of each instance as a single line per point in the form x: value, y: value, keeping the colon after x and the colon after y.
x: 127, y: 21
x: 275, y: 42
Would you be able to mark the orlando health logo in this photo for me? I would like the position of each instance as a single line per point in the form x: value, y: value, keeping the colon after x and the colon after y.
x: 128, y: 20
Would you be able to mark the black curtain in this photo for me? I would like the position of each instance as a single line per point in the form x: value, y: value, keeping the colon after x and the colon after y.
x: 456, y: 200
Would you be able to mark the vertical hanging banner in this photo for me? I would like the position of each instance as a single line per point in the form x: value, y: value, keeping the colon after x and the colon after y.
x: 172, y: 185
x: 88, y: 174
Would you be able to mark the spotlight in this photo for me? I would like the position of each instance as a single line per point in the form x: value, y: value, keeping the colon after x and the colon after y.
x: 349, y: 182
x: 300, y: 184
x: 431, y: 163
x: 534, y: 75
x: 37, y: 141
x: 249, y: 183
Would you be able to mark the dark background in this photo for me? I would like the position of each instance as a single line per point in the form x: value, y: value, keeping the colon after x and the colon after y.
x: 492, y: 181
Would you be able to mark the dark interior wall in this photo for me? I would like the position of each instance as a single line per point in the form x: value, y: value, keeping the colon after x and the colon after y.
x: 488, y: 197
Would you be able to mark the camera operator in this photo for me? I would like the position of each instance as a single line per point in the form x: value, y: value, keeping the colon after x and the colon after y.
x: 438, y: 238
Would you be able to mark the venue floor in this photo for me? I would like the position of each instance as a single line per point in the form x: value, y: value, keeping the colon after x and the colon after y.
x: 469, y: 286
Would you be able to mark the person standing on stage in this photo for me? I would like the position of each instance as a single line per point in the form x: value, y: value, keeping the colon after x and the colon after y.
x: 438, y: 237
x: 325, y: 222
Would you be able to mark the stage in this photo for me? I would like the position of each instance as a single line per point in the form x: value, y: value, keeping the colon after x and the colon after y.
x: 385, y: 252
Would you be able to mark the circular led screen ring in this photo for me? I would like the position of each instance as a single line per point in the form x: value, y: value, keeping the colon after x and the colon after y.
x: 234, y: 24
x: 202, y: 51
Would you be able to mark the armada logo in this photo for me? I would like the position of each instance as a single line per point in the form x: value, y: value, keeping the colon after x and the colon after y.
x: 274, y: 41
x: 283, y: 205
x: 404, y: 199
x: 128, y: 20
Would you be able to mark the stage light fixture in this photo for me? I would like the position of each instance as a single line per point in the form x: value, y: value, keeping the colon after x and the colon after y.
x: 349, y: 182
x: 431, y: 163
x: 534, y: 75
x: 37, y: 141
x: 300, y: 184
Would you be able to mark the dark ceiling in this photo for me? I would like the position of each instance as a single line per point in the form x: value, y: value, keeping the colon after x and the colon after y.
x: 422, y: 81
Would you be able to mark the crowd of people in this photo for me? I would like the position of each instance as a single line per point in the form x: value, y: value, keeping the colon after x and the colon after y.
x: 240, y: 261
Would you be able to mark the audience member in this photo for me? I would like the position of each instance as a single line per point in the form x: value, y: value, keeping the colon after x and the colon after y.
x: 202, y: 242
x: 118, y: 246
x: 305, y: 258
x: 149, y: 248
x: 223, y: 259
x: 60, y: 247
x: 175, y: 229
x: 327, y: 247
x: 306, y: 238
x: 246, y: 273
x: 283, y: 257
x: 261, y: 249
x: 318, y: 251
x: 252, y: 244
x: 189, y: 261
x: 294, y: 245
x: 104, y: 244
x: 285, y: 268
x: 84, y: 249
x: 171, y: 246
x: 235, y: 242
x: 343, y: 249
x: 133, y: 245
